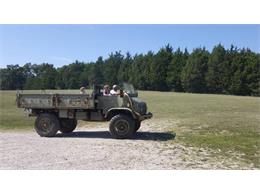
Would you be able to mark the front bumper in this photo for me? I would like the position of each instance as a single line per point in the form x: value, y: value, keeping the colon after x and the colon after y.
x: 146, y: 116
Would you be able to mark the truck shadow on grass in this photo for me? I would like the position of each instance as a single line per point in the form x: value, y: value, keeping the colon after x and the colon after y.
x: 154, y: 136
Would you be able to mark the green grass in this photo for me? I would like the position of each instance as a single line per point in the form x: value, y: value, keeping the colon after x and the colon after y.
x: 218, y: 122
x: 245, y: 143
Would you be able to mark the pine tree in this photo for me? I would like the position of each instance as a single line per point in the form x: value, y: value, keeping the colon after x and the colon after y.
x: 111, y: 67
x: 193, y: 74
x: 123, y: 72
x: 178, y: 62
x: 95, y: 74
x: 217, y: 65
x: 159, y: 68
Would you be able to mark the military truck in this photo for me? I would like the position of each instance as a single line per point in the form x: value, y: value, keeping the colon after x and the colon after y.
x: 60, y: 112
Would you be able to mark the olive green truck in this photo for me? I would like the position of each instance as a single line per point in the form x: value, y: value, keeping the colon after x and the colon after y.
x: 60, y: 112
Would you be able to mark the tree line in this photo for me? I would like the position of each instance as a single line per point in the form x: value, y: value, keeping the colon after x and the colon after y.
x: 221, y: 71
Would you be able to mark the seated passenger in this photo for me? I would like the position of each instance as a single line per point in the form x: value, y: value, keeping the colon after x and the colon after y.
x: 115, y: 90
x: 106, y: 90
x: 82, y: 90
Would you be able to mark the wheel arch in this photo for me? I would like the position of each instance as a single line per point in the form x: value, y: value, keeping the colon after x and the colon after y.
x: 38, y: 111
x: 115, y: 111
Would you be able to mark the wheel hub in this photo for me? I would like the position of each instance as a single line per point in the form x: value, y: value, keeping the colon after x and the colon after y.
x: 45, y: 124
x: 122, y: 127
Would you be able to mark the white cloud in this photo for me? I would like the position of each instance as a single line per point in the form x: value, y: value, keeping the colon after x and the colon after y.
x: 62, y: 59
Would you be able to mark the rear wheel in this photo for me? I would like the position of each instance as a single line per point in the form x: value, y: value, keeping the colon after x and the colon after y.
x: 67, y: 125
x: 121, y: 126
x: 47, y: 125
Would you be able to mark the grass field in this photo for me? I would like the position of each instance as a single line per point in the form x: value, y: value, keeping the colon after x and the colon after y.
x: 218, y: 122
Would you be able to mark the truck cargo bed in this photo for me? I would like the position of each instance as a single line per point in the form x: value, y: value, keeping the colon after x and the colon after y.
x: 55, y: 101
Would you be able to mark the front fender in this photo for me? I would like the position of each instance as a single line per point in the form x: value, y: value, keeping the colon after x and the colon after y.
x: 114, y: 111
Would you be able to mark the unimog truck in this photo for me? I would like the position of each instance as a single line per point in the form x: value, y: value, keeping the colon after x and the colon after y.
x: 60, y: 112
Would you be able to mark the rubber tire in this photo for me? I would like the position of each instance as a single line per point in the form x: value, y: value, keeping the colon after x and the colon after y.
x: 54, y: 125
x: 137, y: 125
x: 67, y: 125
x: 125, y: 119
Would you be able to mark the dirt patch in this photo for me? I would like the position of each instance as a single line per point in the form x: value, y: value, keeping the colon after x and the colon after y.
x: 93, y: 148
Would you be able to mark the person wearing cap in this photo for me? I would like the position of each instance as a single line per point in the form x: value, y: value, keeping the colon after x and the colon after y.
x: 115, y: 90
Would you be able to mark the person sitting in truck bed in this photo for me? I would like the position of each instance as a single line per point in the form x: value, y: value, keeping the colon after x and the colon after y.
x: 106, y: 90
x: 115, y: 90
x: 82, y: 90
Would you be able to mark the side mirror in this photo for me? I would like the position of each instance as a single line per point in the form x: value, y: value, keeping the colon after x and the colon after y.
x: 121, y: 93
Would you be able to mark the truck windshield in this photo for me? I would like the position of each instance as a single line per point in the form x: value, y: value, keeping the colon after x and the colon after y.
x: 129, y: 89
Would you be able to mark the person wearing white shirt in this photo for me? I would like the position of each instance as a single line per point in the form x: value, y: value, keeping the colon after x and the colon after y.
x: 115, y: 90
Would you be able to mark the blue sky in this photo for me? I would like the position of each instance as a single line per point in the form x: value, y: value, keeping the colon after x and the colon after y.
x: 63, y: 44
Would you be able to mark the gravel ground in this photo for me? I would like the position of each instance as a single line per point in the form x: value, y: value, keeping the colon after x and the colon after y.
x: 93, y: 148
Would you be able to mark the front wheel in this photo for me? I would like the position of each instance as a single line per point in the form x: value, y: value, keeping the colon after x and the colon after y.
x: 67, y: 125
x: 47, y: 125
x: 137, y: 125
x: 121, y: 126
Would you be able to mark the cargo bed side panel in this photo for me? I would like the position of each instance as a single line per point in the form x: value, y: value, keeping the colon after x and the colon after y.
x: 55, y: 101
x: 35, y: 101
x: 74, y: 101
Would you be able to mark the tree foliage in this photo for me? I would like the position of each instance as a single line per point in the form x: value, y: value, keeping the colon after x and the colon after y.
x: 223, y: 71
x: 193, y: 74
